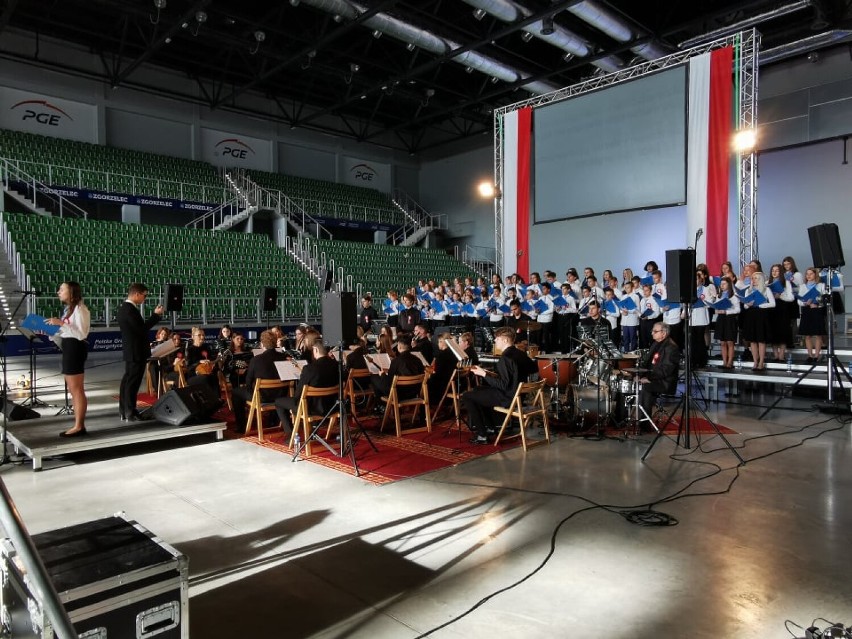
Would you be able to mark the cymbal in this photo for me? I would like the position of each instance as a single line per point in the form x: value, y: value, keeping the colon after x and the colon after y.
x: 635, y: 370
x: 530, y: 325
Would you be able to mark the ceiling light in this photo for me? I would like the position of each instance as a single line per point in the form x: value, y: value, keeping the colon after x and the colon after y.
x: 201, y: 17
x: 546, y: 26
x: 377, y: 34
x: 526, y: 36
x: 568, y: 57
x: 354, y: 68
x: 479, y: 14
x: 411, y: 46
x: 495, y: 80
x: 337, y: 18
x: 468, y: 69
x: 259, y: 35
x: 160, y: 4
x: 294, y: 3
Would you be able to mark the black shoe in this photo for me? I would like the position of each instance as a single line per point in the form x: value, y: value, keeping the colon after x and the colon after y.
x: 76, y: 433
x: 479, y: 439
x: 136, y: 416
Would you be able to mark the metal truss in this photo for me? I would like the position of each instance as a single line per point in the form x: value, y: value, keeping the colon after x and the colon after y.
x: 746, y: 45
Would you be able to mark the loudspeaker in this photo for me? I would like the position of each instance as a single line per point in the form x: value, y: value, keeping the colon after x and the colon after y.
x: 326, y: 279
x: 339, y: 318
x: 195, y: 402
x: 269, y: 299
x: 825, y: 245
x: 16, y: 413
x: 173, y: 297
x: 680, y: 275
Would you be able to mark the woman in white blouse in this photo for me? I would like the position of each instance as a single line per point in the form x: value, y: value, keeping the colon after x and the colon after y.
x: 71, y: 339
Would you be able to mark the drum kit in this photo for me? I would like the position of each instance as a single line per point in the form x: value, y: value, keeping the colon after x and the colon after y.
x: 593, y: 386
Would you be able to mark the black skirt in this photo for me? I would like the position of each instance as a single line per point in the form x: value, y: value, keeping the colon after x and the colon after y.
x: 781, y: 318
x: 757, y: 325
x: 74, y: 354
x: 727, y: 327
x: 813, y: 321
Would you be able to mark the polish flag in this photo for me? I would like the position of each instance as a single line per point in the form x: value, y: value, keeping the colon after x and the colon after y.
x: 517, y: 149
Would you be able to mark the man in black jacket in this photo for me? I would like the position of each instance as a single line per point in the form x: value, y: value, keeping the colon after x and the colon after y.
x: 136, y: 347
x: 404, y: 364
x: 260, y: 367
x: 664, y: 363
x: 322, y: 372
x: 513, y: 367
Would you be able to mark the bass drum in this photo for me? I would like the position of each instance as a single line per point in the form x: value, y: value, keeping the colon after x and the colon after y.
x: 587, y: 402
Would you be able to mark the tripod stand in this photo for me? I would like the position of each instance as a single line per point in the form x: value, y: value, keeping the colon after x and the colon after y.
x: 66, y: 409
x: 32, y: 401
x: 686, y: 406
x: 833, y: 368
x: 341, y: 408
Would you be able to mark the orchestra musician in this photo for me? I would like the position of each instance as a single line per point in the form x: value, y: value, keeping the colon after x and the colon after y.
x: 321, y: 372
x: 664, y: 364
x: 513, y: 367
x: 260, y: 367
x: 367, y: 315
x: 237, y: 362
x: 405, y: 363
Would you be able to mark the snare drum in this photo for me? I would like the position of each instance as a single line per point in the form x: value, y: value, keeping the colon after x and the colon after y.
x: 556, y: 371
x: 597, y: 371
x: 587, y: 401
x: 623, y: 385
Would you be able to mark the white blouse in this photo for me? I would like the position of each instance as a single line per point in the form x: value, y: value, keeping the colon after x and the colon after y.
x: 75, y: 325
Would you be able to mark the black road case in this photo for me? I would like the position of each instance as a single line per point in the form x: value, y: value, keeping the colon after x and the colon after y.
x: 114, y: 577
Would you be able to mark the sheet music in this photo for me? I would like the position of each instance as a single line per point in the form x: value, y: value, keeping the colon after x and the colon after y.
x: 419, y: 356
x: 456, y: 349
x: 290, y: 369
x: 163, y: 350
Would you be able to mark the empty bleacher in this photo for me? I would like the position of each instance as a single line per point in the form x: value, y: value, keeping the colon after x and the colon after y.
x: 381, y: 267
x: 218, y: 269
x: 72, y: 164
x: 320, y: 198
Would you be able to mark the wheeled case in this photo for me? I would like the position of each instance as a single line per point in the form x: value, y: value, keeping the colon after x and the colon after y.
x: 116, y: 579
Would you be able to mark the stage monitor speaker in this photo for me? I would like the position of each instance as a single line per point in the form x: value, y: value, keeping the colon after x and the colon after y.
x: 269, y: 299
x: 173, y: 297
x: 825, y: 245
x: 195, y: 402
x: 339, y: 318
x: 680, y: 275
x: 15, y: 412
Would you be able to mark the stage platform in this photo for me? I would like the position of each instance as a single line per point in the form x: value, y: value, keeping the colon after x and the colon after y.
x: 39, y: 438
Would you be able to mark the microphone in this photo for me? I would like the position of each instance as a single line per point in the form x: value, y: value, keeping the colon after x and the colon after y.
x: 32, y: 292
x: 698, y: 235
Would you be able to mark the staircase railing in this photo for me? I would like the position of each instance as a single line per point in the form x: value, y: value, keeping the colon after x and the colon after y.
x: 480, y: 258
x: 275, y: 200
x: 242, y: 203
x: 12, y: 172
x: 13, y: 256
x: 415, y: 217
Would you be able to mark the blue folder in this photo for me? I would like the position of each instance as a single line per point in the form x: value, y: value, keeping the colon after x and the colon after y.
x: 38, y: 324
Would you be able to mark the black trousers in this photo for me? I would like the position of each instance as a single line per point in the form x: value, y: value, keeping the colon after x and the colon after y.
x: 129, y: 388
x: 480, y: 403
x: 239, y: 397
x: 283, y: 406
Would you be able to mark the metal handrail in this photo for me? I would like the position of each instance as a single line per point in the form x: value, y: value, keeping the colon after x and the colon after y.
x: 10, y: 170
x: 416, y: 217
x: 37, y: 574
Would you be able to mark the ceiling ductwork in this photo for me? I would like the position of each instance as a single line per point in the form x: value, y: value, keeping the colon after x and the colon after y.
x: 805, y: 45
x: 509, y: 11
x: 615, y: 27
x: 412, y: 35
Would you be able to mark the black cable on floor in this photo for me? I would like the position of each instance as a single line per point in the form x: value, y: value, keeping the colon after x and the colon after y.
x: 648, y: 514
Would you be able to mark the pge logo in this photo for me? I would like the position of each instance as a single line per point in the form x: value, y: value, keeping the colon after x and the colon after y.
x: 42, y: 112
x: 233, y: 148
x: 363, y: 172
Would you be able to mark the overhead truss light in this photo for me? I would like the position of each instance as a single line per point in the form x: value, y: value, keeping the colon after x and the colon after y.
x: 479, y: 14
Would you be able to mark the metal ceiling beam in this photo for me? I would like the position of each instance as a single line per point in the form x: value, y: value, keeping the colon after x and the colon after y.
x: 316, y: 46
x: 159, y: 42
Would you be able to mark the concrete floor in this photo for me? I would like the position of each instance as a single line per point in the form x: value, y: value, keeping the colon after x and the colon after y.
x: 514, y: 544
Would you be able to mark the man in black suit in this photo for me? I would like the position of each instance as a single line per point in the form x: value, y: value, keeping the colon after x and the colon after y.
x: 513, y: 367
x: 664, y: 362
x: 322, y: 372
x: 136, y: 347
x: 260, y: 367
x: 421, y: 343
x: 404, y: 364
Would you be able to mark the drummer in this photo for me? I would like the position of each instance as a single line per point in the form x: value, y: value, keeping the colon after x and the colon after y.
x: 516, y: 317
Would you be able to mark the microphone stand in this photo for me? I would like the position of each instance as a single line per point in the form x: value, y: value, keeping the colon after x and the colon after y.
x: 4, y: 392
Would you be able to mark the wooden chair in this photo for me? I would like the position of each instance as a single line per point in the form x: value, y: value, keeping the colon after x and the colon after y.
x: 225, y: 389
x: 525, y: 412
x: 181, y: 380
x: 306, y: 420
x: 353, y: 392
x: 257, y: 407
x: 453, y: 392
x: 421, y: 399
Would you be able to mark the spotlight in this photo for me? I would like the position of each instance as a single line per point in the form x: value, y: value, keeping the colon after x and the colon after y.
x: 411, y: 46
x: 479, y: 14
x: 160, y: 4
x: 745, y: 140
x: 354, y: 68
x: 546, y: 26
x: 486, y: 189
x: 201, y: 17
x: 568, y: 57
x: 526, y: 36
x: 377, y: 34
x: 259, y: 36
x: 495, y: 80
x: 468, y: 69
x: 337, y: 18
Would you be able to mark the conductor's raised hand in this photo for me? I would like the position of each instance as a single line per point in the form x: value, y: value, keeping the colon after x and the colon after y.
x: 160, y: 309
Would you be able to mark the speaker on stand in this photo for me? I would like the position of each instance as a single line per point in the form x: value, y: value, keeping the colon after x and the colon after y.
x: 268, y: 301
x: 173, y: 300
x: 339, y: 318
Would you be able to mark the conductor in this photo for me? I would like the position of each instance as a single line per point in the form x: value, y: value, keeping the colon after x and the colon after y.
x: 136, y: 348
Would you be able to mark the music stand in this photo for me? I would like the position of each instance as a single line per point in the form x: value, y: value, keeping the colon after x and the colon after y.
x: 463, y: 361
x: 32, y: 401
x: 159, y: 353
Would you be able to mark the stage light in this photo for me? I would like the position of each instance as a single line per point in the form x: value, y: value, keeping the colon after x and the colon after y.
x: 745, y: 140
x: 486, y: 189
x: 411, y: 46
x: 479, y: 14
x: 377, y: 34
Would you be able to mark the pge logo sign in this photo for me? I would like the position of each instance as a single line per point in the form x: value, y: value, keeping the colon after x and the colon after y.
x: 40, y: 112
x: 363, y: 172
x: 233, y: 148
